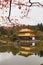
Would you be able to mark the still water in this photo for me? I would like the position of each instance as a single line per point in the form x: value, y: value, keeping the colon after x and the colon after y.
x: 10, y: 56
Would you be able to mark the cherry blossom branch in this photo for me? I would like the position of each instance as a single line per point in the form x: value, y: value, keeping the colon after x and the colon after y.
x: 28, y: 5
x: 31, y: 4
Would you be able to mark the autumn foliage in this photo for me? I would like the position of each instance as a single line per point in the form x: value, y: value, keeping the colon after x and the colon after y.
x: 6, y: 0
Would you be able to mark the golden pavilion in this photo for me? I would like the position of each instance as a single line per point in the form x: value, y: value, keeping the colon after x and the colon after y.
x: 26, y: 34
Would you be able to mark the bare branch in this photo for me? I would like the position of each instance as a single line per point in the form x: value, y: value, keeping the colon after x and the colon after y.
x: 22, y: 4
x: 37, y: 4
x: 31, y: 4
x: 9, y: 11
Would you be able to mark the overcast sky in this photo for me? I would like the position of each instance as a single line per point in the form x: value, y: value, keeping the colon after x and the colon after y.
x: 34, y: 17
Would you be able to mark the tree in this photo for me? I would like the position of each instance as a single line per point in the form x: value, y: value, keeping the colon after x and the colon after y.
x: 13, y: 37
x: 23, y: 6
x: 40, y: 26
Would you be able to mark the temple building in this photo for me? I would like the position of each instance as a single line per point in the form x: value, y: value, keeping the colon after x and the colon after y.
x: 26, y: 34
x: 26, y: 37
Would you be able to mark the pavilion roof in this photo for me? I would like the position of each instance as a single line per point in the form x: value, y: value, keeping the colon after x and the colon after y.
x: 26, y: 30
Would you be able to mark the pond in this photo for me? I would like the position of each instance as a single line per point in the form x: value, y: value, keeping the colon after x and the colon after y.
x: 10, y: 55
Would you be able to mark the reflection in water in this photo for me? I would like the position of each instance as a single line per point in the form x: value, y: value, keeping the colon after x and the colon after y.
x: 41, y: 64
x: 10, y: 55
x: 21, y: 51
x: 5, y: 56
x: 8, y: 49
x: 40, y: 53
x: 28, y: 43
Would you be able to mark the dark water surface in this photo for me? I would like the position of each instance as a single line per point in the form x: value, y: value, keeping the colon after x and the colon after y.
x: 10, y: 56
